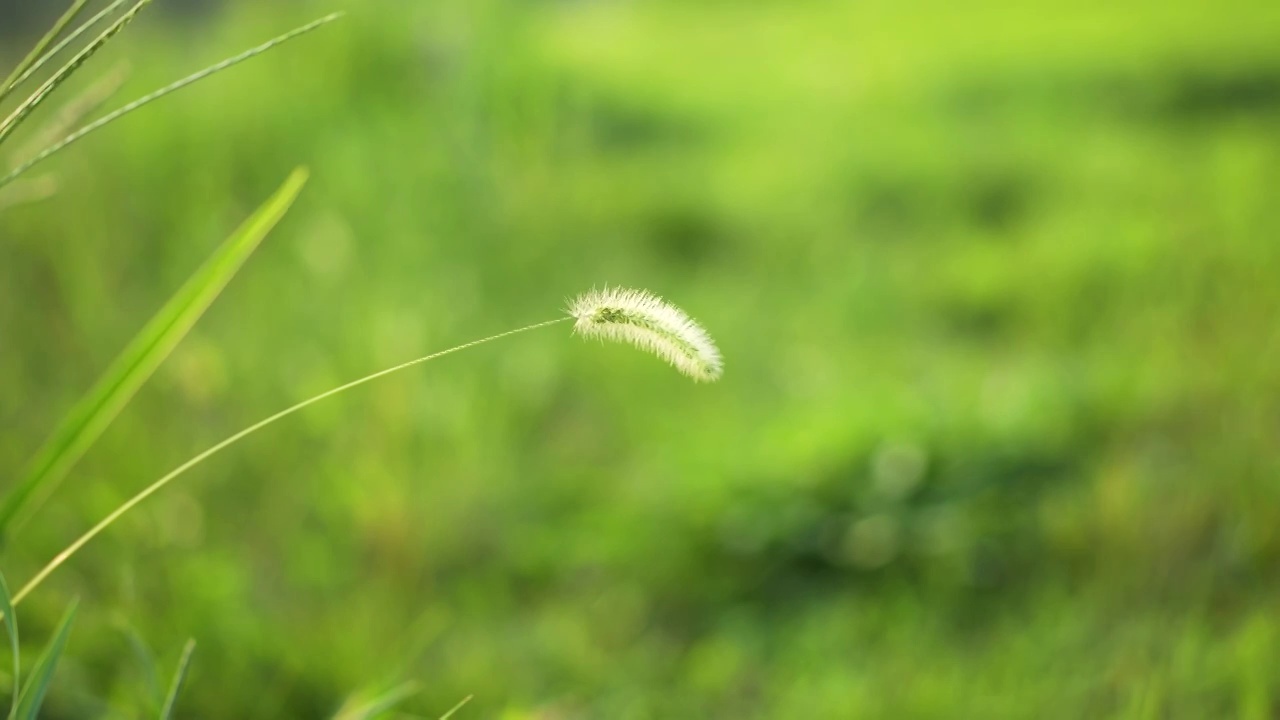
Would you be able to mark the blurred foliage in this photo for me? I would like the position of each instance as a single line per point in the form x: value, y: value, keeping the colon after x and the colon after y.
x: 997, y: 283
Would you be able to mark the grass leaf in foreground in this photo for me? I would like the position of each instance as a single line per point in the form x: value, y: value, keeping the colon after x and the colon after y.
x: 179, y: 677
x: 152, y: 97
x: 218, y: 269
x: 11, y: 624
x: 32, y: 696
x: 82, y: 426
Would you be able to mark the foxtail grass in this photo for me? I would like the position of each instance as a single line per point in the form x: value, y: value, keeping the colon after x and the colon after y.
x: 633, y: 316
x: 650, y: 323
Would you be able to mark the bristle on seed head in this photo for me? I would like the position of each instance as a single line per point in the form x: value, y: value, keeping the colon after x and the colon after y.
x: 651, y: 324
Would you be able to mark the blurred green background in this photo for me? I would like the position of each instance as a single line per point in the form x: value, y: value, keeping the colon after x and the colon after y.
x: 997, y: 284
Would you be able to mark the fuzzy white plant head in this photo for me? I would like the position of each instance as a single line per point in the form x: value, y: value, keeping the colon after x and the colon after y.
x: 651, y: 324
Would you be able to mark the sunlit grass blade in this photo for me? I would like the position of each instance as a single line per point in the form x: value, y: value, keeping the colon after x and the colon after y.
x: 456, y: 708
x: 152, y: 97
x: 25, y: 108
x: 11, y: 625
x: 37, y: 686
x: 70, y: 38
x: 38, y: 52
x: 136, y: 363
x: 355, y: 709
x: 179, y: 677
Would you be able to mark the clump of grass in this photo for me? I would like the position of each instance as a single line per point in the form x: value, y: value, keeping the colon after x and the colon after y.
x: 162, y: 92
x: 81, y: 427
x: 41, y: 93
x: 39, y: 57
x: 26, y: 698
x: 99, y: 406
x: 634, y: 316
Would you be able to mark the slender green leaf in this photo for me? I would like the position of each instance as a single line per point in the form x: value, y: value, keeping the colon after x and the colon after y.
x: 70, y: 38
x: 11, y: 624
x: 166, y: 90
x: 37, y: 53
x: 247, y: 237
x: 37, y: 686
x: 82, y: 426
x: 146, y: 659
x: 456, y: 708
x: 25, y: 108
x: 356, y: 709
x: 179, y: 677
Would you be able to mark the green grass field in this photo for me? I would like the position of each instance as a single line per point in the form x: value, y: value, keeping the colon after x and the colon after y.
x: 997, y: 285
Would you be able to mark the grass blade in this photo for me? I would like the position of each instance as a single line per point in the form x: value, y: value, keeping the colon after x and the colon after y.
x: 25, y: 108
x: 247, y: 237
x: 136, y: 363
x: 379, y: 704
x: 37, y: 53
x: 62, y: 45
x: 166, y: 90
x: 456, y: 708
x: 179, y: 677
x: 32, y: 696
x: 11, y: 624
x: 145, y: 658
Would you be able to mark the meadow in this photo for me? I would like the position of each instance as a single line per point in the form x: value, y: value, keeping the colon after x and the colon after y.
x: 997, y: 286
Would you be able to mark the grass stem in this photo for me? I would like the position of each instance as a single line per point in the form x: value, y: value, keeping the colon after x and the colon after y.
x: 154, y: 487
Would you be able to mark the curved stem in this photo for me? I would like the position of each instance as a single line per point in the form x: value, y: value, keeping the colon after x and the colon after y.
x: 157, y: 485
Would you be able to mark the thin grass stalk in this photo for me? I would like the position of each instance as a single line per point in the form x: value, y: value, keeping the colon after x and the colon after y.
x: 37, y: 53
x: 156, y: 486
x: 179, y: 677
x: 72, y: 37
x: 23, y: 110
x: 88, y: 101
x: 457, y: 707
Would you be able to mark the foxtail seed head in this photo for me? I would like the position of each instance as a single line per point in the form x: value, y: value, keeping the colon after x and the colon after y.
x: 651, y: 324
